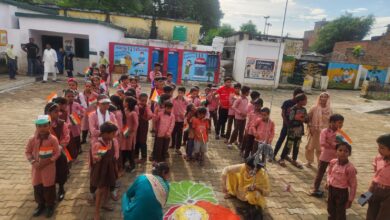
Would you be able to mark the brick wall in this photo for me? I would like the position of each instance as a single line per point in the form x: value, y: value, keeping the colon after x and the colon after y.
x: 376, y: 52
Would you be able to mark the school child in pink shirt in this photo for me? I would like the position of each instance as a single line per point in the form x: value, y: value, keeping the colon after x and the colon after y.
x: 72, y: 85
x: 144, y: 116
x: 165, y: 122
x: 169, y: 91
x: 341, y: 183
x: 193, y: 97
x: 255, y: 95
x: 328, y: 150
x: 264, y: 128
x: 188, y: 135
x: 249, y: 136
x: 379, y: 203
x: 232, y: 98
x: 129, y: 133
x: 42, y: 151
x: 179, y: 110
x: 213, y: 103
x: 119, y: 112
x: 75, y: 112
x: 87, y: 100
x: 134, y: 85
x: 240, y: 108
x: 124, y: 82
x: 103, y: 172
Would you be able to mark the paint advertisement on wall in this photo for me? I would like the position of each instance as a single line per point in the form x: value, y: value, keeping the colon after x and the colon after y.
x: 257, y: 68
x: 342, y: 75
x: 195, y: 67
x: 135, y: 57
x: 373, y: 74
x: 3, y: 38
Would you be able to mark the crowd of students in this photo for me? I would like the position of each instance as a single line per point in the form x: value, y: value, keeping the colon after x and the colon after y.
x: 118, y: 126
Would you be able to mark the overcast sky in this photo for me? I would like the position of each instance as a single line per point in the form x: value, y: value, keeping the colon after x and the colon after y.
x: 301, y: 14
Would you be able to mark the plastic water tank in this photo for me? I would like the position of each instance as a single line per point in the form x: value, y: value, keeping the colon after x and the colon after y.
x: 180, y: 33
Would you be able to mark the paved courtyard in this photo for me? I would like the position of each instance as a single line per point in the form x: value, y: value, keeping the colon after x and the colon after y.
x: 19, y: 108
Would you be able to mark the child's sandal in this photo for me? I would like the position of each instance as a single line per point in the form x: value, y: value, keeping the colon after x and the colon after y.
x: 282, y: 163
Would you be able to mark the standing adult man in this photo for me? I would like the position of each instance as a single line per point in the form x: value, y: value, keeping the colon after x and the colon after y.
x: 224, y: 94
x: 60, y: 59
x: 11, y: 60
x: 49, y: 63
x: 32, y: 51
x: 103, y: 60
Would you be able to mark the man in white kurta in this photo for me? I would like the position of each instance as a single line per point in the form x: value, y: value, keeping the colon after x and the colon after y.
x: 49, y: 62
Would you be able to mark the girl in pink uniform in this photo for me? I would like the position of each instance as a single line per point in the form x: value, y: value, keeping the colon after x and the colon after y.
x: 129, y: 132
x: 87, y: 100
x: 42, y: 151
x: 341, y: 183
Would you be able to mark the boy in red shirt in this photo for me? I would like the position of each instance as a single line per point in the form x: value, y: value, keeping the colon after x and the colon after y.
x: 200, y: 125
x: 224, y: 95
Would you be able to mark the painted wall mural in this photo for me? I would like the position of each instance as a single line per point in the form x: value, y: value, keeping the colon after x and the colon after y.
x: 198, y: 66
x: 135, y: 57
x: 257, y: 68
x: 373, y: 74
x: 342, y: 75
x: 304, y: 69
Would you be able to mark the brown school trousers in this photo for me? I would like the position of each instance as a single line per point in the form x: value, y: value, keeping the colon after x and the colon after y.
x: 320, y: 174
x: 337, y: 199
x: 45, y: 195
x: 239, y: 128
x: 379, y: 203
x: 161, y: 145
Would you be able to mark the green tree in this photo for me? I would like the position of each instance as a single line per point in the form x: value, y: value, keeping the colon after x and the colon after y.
x: 344, y: 28
x: 249, y: 27
x: 225, y: 30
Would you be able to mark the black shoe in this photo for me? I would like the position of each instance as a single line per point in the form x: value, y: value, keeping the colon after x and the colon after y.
x: 44, y: 81
x: 49, y: 212
x: 61, y: 195
x: 38, y: 211
x: 216, y: 137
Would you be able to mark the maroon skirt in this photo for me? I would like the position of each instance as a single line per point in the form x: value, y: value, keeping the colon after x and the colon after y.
x: 74, y: 146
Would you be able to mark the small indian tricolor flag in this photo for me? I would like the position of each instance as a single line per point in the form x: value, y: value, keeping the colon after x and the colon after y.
x: 102, y: 150
x: 67, y: 155
x: 75, y: 119
x: 52, y: 96
x: 155, y: 97
x: 344, y: 136
x: 45, y: 152
x: 116, y: 84
x: 92, y: 101
x: 86, y: 70
x: 126, y: 131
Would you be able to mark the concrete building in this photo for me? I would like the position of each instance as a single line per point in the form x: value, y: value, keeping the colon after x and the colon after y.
x: 374, y: 52
x: 310, y: 37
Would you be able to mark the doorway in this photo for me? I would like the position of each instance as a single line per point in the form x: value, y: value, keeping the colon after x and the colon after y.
x: 157, y: 57
x: 55, y: 42
x: 173, y: 64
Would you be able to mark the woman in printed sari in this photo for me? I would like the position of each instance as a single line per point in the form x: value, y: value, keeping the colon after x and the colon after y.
x: 146, y: 198
x: 319, y: 116
x: 247, y: 182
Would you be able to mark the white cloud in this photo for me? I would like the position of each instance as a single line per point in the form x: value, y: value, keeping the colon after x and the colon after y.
x: 355, y: 10
x: 380, y: 26
x: 313, y: 14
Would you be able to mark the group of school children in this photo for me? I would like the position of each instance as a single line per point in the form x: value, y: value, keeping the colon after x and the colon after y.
x: 118, y: 127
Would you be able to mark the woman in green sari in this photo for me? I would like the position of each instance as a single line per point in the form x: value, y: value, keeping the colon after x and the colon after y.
x: 146, y: 198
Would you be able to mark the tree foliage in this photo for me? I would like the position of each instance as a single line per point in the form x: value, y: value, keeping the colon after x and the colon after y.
x: 225, y: 30
x: 249, y: 27
x: 207, y: 12
x: 344, y: 28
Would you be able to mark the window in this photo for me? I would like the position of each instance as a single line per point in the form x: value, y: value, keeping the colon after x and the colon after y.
x: 81, y: 48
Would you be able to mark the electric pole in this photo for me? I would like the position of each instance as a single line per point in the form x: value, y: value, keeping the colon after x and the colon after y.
x: 265, y: 24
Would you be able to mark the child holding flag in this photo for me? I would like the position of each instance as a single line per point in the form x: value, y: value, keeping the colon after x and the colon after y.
x: 328, y: 144
x: 103, y: 173
x: 75, y: 112
x: 165, y: 122
x: 42, y: 151
x: 88, y: 100
x: 129, y: 133
x: 200, y: 125
x: 60, y: 129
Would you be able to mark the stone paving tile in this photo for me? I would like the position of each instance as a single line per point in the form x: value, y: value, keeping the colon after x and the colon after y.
x: 19, y: 108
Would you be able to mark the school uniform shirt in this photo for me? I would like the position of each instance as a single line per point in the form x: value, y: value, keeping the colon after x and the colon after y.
x: 264, y: 131
x: 252, y: 120
x: 224, y: 96
x: 94, y: 127
x: 36, y: 149
x: 200, y: 127
x: 75, y: 108
x: 65, y: 135
x: 179, y: 108
x: 194, y: 100
x: 132, y: 124
x: 251, y: 107
x: 240, y: 107
x: 165, y: 124
x: 233, y: 97
x: 382, y: 171
x: 328, y: 145
x: 145, y: 114
x: 342, y: 177
x: 88, y: 102
x: 95, y: 149
x: 213, y: 102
